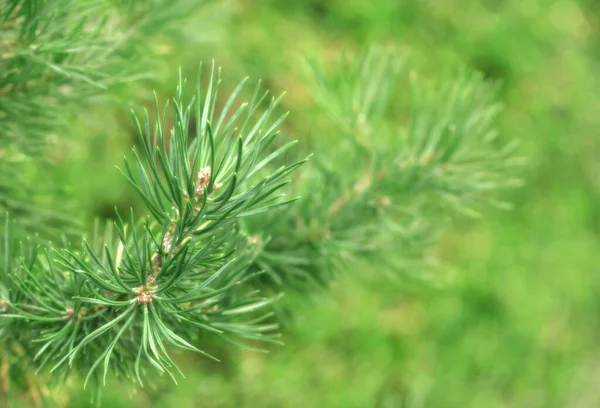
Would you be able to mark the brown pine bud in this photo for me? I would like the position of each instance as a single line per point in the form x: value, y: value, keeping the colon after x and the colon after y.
x: 203, y: 180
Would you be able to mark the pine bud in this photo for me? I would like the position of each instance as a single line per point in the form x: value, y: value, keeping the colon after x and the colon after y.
x: 145, y: 293
x: 144, y: 298
x: 167, y: 243
x: 203, y: 180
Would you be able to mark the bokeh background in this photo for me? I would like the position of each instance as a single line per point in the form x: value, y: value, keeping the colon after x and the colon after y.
x: 513, y: 319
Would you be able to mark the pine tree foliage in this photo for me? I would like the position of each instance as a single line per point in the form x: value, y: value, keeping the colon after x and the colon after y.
x: 219, y: 241
x: 64, y: 51
x: 119, y: 303
x: 56, y: 57
x: 377, y: 190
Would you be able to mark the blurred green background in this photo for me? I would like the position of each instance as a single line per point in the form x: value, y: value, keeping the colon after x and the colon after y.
x: 514, y: 317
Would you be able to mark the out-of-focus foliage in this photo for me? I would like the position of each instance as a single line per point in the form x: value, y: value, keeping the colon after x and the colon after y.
x: 56, y: 57
x: 382, y: 192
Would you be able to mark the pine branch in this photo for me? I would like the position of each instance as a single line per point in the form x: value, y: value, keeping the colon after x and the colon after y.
x: 121, y: 302
x: 214, y: 250
x: 389, y: 189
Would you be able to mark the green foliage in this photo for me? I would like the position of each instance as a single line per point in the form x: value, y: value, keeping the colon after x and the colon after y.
x: 56, y: 57
x: 117, y: 303
x: 382, y: 188
x: 219, y: 243
x: 516, y: 323
x: 48, y: 49
x: 211, y: 189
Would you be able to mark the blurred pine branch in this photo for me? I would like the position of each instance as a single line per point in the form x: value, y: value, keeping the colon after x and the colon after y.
x: 374, y: 191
